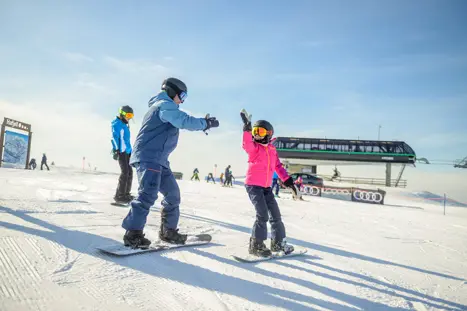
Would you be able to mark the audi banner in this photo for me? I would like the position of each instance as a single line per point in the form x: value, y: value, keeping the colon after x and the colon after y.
x: 342, y: 193
x: 311, y: 190
x: 368, y: 196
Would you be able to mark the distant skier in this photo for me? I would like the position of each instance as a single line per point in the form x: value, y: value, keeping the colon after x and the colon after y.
x: 299, y: 182
x: 228, y: 176
x: 44, y: 162
x: 231, y: 177
x: 195, y: 174
x: 122, y: 149
x: 222, y: 179
x: 210, y: 177
x: 336, y: 174
x: 32, y: 164
x: 262, y: 162
x: 275, y: 184
x: 156, y: 140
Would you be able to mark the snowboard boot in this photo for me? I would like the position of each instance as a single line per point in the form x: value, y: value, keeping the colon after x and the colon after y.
x: 136, y: 239
x: 122, y: 200
x: 172, y: 236
x: 258, y: 248
x: 129, y: 197
x: 281, y: 246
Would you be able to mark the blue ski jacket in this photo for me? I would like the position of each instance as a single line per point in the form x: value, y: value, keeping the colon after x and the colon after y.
x: 158, y: 135
x: 121, y: 136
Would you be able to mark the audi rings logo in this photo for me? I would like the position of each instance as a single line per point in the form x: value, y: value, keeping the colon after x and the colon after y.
x: 311, y: 190
x: 336, y: 191
x: 368, y: 196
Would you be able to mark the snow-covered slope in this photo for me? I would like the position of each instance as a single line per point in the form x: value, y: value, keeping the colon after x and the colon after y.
x: 402, y: 256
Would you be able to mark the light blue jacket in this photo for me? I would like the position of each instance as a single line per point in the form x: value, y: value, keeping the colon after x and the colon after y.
x: 158, y: 135
x: 121, y: 136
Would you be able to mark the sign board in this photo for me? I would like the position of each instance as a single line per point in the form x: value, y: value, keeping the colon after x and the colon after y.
x: 17, y: 124
x: 15, y: 148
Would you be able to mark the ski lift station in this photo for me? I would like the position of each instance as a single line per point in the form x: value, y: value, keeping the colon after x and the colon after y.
x: 295, y: 150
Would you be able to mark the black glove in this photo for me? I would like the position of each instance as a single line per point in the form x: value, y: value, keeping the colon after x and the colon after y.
x: 211, y: 122
x: 115, y: 154
x: 246, y: 118
x: 290, y: 184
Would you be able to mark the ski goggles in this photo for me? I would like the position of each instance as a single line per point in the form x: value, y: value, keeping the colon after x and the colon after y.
x: 128, y: 115
x: 183, y: 95
x: 260, y: 131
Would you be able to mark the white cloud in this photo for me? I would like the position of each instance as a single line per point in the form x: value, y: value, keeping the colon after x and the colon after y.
x: 135, y: 66
x: 95, y: 86
x: 77, y: 57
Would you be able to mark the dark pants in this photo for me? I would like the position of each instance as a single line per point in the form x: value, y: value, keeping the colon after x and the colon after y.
x: 126, y: 176
x: 152, y: 180
x: 275, y: 185
x: 42, y: 166
x: 266, y: 208
x: 211, y: 178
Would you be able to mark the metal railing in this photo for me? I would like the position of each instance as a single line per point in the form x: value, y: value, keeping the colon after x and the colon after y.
x: 367, y: 181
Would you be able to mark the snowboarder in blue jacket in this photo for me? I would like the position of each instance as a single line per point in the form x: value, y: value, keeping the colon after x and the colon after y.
x: 156, y: 140
x: 122, y: 151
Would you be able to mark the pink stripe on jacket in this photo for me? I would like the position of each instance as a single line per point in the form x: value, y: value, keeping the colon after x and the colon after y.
x: 262, y: 162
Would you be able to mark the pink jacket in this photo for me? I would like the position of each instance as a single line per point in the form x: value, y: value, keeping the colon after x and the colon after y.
x: 262, y: 162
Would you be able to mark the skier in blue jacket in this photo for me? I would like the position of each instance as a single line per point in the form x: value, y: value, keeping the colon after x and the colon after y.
x: 275, y: 184
x: 157, y: 138
x: 122, y: 151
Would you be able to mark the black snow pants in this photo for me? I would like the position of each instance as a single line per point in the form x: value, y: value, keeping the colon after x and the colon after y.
x: 126, y: 176
x: 266, y: 208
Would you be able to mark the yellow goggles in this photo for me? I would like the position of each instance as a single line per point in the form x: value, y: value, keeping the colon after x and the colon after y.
x: 260, y: 131
x: 128, y: 115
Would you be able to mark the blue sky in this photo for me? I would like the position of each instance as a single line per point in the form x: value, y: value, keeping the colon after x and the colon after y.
x: 333, y: 69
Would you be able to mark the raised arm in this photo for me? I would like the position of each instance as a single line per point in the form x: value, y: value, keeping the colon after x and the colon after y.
x: 248, y: 144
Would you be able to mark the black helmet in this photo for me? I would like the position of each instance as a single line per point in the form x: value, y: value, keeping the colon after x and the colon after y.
x: 173, y: 87
x: 264, y: 124
x: 124, y: 110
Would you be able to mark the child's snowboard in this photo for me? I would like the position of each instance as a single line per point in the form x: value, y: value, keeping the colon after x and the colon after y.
x: 120, y: 204
x: 248, y: 258
x: 122, y: 250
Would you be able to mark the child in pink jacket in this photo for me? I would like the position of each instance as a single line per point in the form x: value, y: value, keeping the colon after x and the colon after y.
x: 262, y: 162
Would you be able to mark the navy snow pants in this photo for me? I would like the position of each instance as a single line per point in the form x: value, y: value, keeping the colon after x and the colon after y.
x: 153, y: 179
x: 266, y: 208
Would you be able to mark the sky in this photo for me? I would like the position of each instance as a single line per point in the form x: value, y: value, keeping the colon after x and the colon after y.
x: 334, y: 69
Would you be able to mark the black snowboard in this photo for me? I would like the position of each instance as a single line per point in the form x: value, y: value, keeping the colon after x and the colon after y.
x: 119, y: 249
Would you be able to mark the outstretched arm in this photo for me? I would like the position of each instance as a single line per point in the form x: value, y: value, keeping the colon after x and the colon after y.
x: 171, y: 114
